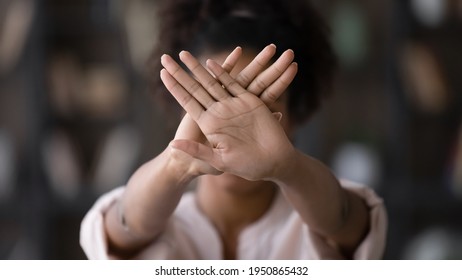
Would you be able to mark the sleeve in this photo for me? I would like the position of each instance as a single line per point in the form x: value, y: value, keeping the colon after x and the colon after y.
x: 92, y: 236
x: 373, y: 245
x: 94, y: 242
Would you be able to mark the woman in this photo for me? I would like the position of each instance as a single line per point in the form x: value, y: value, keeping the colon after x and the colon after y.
x: 257, y: 196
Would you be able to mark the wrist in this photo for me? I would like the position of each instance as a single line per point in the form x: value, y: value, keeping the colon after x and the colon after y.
x: 159, y: 181
x: 165, y: 169
x: 179, y: 165
x: 286, y: 168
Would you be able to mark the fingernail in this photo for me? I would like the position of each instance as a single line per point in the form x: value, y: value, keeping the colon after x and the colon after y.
x: 183, y: 53
x: 278, y: 116
x: 162, y: 72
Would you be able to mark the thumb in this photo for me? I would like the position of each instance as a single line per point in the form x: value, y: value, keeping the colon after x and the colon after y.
x: 197, y: 150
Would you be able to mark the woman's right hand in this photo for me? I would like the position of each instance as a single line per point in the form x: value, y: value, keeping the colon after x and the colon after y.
x: 188, y: 129
x: 267, y: 83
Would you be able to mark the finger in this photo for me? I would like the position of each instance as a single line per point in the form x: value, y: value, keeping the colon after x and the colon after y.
x: 208, y: 82
x: 246, y: 76
x: 198, y: 151
x: 232, y: 59
x: 196, y: 166
x: 189, y: 129
x: 267, y: 77
x: 189, y: 103
x: 228, y: 82
x: 275, y: 90
x: 186, y: 81
x: 277, y: 116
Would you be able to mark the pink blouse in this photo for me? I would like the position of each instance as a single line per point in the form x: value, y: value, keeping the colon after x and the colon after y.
x: 279, y: 234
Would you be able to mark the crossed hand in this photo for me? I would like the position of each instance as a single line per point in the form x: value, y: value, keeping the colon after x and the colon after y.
x: 228, y: 126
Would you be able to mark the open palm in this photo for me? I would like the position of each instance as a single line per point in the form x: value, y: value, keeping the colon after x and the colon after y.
x: 246, y: 140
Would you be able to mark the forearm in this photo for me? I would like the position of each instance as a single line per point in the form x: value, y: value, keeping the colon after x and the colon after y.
x: 151, y: 196
x: 329, y: 210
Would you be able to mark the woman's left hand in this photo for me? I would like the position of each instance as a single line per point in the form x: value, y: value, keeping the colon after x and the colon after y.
x: 246, y: 140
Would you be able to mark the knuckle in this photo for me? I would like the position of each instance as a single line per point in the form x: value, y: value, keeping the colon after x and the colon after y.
x: 283, y: 82
x: 260, y: 83
x: 194, y: 87
x: 227, y: 67
x: 211, y: 84
x: 271, y: 95
x: 175, y: 71
x: 185, y: 99
x: 260, y: 62
x: 244, y: 78
x: 195, y: 67
x: 277, y: 69
x: 231, y: 84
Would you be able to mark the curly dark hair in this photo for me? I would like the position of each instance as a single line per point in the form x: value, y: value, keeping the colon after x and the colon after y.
x: 209, y: 26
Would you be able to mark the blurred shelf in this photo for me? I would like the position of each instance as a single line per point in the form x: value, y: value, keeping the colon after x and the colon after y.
x: 89, y: 35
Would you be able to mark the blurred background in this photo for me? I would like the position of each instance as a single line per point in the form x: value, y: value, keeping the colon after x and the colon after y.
x: 76, y: 116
